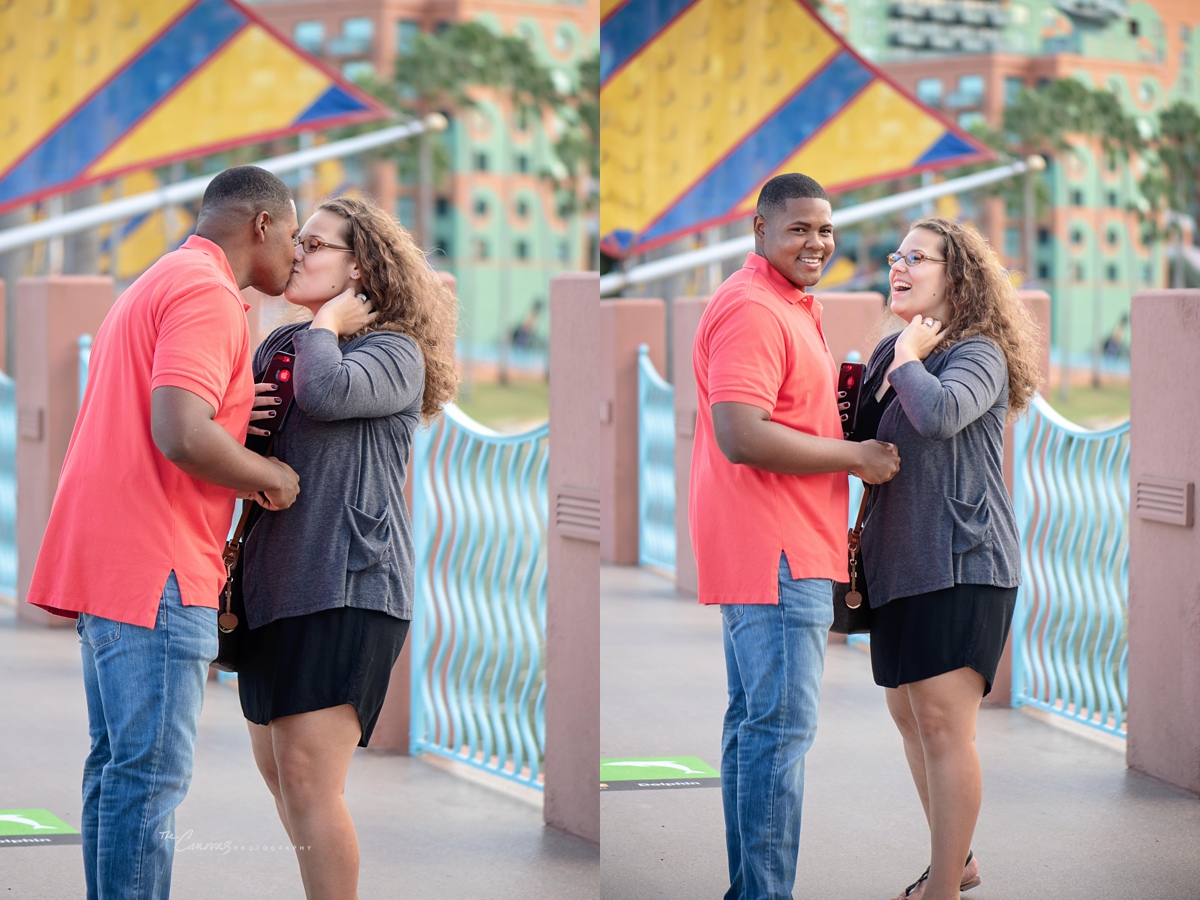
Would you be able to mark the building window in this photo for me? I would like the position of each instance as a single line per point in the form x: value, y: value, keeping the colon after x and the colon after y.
x: 522, y: 209
x: 406, y: 210
x: 523, y: 162
x: 355, y: 39
x: 1077, y: 198
x: 360, y: 29
x: 929, y: 90
x: 1111, y: 272
x: 1134, y: 28
x: 1012, y: 241
x: 967, y: 120
x: 1114, y: 202
x: 564, y: 251
x: 1043, y: 236
x: 481, y: 248
x: 522, y: 249
x: 309, y: 36
x: 1076, y: 236
x: 1043, y: 271
x: 1147, y: 273
x: 481, y: 207
x: 443, y: 206
x: 356, y: 69
x: 564, y: 41
x: 481, y: 162
x: 1113, y: 238
x: 1012, y: 87
x: 406, y: 35
x: 1078, y: 270
x: 970, y: 90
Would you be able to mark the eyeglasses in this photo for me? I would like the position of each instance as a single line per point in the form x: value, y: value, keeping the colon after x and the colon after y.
x: 312, y: 245
x: 912, y: 259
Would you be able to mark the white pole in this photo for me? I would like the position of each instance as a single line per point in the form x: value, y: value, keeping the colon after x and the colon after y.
x: 661, y: 268
x: 128, y: 207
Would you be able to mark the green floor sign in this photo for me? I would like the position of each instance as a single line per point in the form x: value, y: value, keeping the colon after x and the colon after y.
x: 25, y: 827
x: 647, y: 773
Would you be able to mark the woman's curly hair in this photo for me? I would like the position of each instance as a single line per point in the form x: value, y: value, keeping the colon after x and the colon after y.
x: 407, y: 293
x: 984, y: 303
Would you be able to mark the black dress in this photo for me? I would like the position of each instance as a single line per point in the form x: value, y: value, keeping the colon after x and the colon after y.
x: 918, y: 637
x: 319, y: 660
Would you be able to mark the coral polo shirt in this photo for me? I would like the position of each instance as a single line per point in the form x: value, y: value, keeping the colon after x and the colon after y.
x: 760, y: 343
x: 124, y: 516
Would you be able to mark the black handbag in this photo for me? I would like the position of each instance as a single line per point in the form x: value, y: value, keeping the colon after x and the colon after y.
x: 231, y: 609
x: 851, y: 610
x: 231, y: 606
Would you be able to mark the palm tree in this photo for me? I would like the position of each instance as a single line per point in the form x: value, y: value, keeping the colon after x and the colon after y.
x: 1174, y: 184
x: 449, y: 70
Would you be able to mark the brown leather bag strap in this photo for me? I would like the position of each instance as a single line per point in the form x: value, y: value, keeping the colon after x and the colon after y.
x: 862, y: 513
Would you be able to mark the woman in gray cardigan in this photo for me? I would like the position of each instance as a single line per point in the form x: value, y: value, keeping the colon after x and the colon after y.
x: 940, y: 546
x: 329, y: 585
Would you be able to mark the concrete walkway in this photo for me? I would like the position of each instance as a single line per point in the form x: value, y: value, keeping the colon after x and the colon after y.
x: 424, y: 832
x: 1062, y: 818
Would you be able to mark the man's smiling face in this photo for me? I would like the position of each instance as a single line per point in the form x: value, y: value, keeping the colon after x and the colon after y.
x: 796, y: 238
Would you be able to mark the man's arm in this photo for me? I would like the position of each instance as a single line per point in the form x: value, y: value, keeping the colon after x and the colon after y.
x: 747, y: 436
x: 185, y: 433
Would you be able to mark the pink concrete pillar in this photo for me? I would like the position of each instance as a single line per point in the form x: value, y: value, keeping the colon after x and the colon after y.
x: 851, y: 321
x: 572, y: 766
x: 51, y: 314
x: 1163, y: 717
x: 1038, y: 304
x: 623, y: 326
x: 687, y: 315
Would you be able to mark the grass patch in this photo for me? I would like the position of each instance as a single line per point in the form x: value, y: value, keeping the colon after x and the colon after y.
x: 1093, y: 407
x: 516, y: 406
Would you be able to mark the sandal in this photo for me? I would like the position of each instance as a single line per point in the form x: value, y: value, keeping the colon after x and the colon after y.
x: 972, y: 882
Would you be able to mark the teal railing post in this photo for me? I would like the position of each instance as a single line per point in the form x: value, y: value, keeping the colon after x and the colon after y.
x: 478, y: 634
x: 1071, y: 500
x: 656, y: 467
x: 85, y: 358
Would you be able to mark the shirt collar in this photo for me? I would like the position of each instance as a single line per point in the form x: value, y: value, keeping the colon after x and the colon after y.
x: 784, y: 288
x: 208, y: 248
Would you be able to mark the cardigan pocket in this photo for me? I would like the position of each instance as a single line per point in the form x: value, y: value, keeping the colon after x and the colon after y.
x: 972, y: 523
x: 370, y: 538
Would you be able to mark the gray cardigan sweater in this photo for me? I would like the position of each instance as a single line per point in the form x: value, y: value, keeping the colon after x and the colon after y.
x: 945, y: 518
x: 347, y: 540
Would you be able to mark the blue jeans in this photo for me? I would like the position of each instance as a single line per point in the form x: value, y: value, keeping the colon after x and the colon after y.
x: 144, y: 689
x: 774, y: 657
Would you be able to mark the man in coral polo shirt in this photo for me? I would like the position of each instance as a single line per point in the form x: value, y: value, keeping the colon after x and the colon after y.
x: 768, y: 511
x: 143, y: 507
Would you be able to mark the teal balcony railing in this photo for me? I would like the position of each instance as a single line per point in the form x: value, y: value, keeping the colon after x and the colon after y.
x: 656, y: 467
x: 478, y: 633
x: 1069, y: 632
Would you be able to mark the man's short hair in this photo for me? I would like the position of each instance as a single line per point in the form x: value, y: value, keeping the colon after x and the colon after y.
x: 791, y: 186
x: 245, y: 190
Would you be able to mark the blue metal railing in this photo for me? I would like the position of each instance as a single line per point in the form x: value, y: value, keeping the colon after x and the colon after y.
x: 8, y: 486
x: 1072, y: 506
x: 656, y: 467
x: 85, y: 358
x: 479, y: 629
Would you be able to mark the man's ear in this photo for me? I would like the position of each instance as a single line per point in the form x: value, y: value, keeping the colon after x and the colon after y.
x: 261, y: 222
x: 760, y: 226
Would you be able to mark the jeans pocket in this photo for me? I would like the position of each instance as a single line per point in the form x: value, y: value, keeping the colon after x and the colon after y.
x: 731, y: 611
x: 97, y: 631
